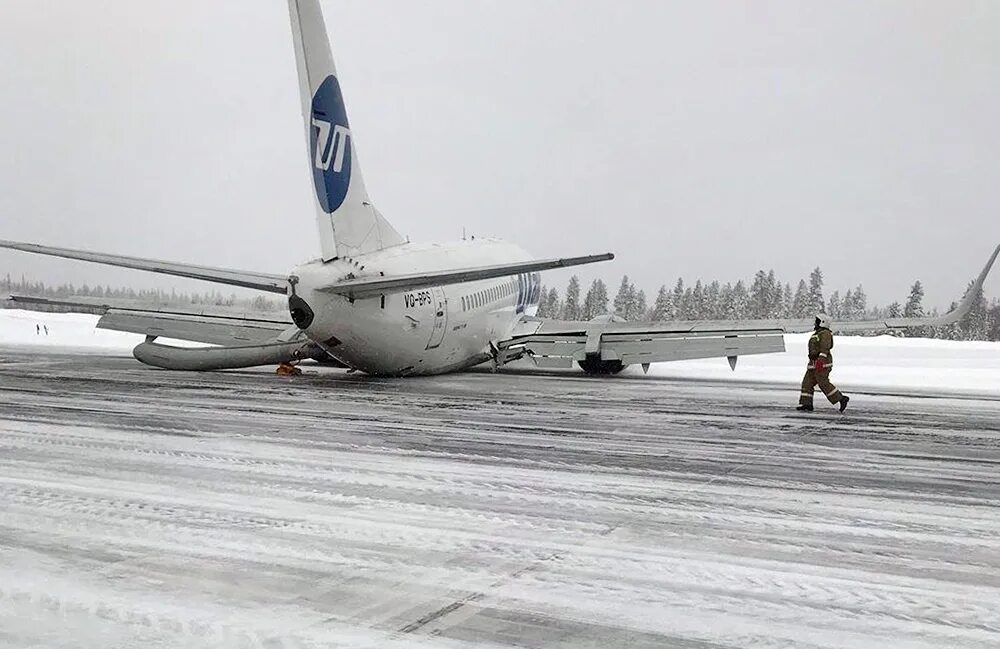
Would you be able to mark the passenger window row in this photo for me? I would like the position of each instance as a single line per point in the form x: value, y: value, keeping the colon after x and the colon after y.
x: 489, y: 295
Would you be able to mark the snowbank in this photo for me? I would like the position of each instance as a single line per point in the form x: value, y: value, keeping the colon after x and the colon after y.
x: 883, y: 362
x: 66, y: 332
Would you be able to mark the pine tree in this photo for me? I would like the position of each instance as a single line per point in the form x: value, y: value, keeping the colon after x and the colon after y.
x: 774, y: 295
x: 816, y: 302
x: 833, y: 306
x: 663, y: 308
x: 914, y: 304
x: 727, y: 303
x: 741, y: 300
x: 786, y: 301
x: 680, y: 310
x: 858, y: 306
x: 975, y: 325
x: 625, y: 299
x: 596, y: 302
x: 552, y: 304
x: 543, y: 305
x: 571, y: 307
x: 712, y: 301
x: 895, y: 310
x: 801, y: 301
x: 641, y: 310
x: 696, y: 302
x: 760, y: 295
x: 994, y: 332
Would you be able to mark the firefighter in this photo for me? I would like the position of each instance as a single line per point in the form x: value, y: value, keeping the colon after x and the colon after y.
x: 818, y: 370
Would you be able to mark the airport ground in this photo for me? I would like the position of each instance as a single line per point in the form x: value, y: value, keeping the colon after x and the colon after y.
x: 146, y: 508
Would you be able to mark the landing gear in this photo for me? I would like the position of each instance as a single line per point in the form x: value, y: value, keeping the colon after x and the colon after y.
x: 599, y: 367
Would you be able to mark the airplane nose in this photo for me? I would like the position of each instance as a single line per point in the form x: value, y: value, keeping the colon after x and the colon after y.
x: 301, y: 314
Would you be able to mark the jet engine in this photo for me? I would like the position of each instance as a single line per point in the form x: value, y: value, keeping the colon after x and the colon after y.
x: 200, y: 359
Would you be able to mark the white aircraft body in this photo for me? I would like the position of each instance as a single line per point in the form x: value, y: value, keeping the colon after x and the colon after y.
x: 376, y: 303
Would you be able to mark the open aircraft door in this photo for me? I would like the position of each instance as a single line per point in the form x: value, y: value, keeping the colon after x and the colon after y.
x: 440, y: 317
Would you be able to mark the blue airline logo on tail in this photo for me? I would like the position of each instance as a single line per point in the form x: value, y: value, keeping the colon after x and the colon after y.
x: 330, y: 145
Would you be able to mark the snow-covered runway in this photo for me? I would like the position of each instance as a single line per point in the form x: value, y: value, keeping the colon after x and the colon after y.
x: 145, y: 508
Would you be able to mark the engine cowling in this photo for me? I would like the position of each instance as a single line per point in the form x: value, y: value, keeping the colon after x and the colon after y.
x: 200, y: 359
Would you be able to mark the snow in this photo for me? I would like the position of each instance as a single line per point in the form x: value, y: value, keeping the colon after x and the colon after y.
x: 76, y: 332
x: 143, y: 508
x: 882, y: 362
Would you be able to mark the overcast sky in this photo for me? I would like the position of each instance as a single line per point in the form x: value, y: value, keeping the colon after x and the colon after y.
x: 694, y: 139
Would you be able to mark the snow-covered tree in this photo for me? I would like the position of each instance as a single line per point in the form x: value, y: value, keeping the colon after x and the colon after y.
x: 625, y: 299
x: 741, y: 300
x: 801, y: 302
x: 663, y: 307
x: 833, y: 306
x: 571, y: 307
x: 596, y: 302
x: 680, y: 308
x: 816, y: 302
x: 641, y: 310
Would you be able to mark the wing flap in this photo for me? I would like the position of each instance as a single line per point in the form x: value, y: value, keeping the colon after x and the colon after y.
x: 203, y: 329
x: 634, y: 349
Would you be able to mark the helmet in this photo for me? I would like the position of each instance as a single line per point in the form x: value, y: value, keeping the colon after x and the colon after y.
x: 822, y: 320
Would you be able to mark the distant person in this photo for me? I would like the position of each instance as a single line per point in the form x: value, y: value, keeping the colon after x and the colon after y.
x: 819, y: 368
x: 38, y: 329
x: 46, y: 328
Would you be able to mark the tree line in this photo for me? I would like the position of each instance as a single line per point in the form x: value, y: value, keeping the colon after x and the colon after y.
x: 763, y: 297
x: 68, y: 291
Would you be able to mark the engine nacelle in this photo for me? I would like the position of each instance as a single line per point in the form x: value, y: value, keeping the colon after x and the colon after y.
x: 200, y: 359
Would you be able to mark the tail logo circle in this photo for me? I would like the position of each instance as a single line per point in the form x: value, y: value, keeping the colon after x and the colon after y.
x: 330, y: 144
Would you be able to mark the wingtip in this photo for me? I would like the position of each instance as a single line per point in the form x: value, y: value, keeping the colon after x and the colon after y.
x: 989, y: 264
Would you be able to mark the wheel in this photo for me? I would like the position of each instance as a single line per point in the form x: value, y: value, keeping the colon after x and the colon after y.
x: 597, y: 366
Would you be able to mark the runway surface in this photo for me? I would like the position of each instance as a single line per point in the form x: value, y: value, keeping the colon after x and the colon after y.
x: 145, y: 508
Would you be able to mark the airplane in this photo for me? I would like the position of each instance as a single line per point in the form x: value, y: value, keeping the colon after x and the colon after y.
x: 375, y: 303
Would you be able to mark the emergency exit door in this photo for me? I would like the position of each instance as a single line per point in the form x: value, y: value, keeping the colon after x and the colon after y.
x: 440, y: 317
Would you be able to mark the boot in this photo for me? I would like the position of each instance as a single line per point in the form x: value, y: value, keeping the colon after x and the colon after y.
x: 805, y: 407
x: 843, y: 402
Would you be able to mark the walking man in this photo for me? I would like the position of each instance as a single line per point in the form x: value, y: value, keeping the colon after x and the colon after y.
x: 818, y: 370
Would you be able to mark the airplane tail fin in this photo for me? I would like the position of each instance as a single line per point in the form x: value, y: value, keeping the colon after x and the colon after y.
x: 348, y: 223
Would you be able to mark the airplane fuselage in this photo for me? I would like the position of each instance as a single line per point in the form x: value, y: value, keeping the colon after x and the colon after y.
x: 424, y: 331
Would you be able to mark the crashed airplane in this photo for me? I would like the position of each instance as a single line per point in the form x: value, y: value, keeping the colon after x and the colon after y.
x: 376, y: 303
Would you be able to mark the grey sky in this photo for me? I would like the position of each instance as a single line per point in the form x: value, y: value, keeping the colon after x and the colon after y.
x: 700, y: 139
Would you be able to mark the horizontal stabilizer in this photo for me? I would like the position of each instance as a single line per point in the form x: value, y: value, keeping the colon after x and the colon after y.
x: 245, y: 279
x: 368, y: 286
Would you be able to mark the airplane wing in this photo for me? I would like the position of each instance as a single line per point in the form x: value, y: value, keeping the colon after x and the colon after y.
x: 210, y: 326
x: 369, y: 286
x: 558, y: 343
x: 235, y: 340
x: 245, y: 279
